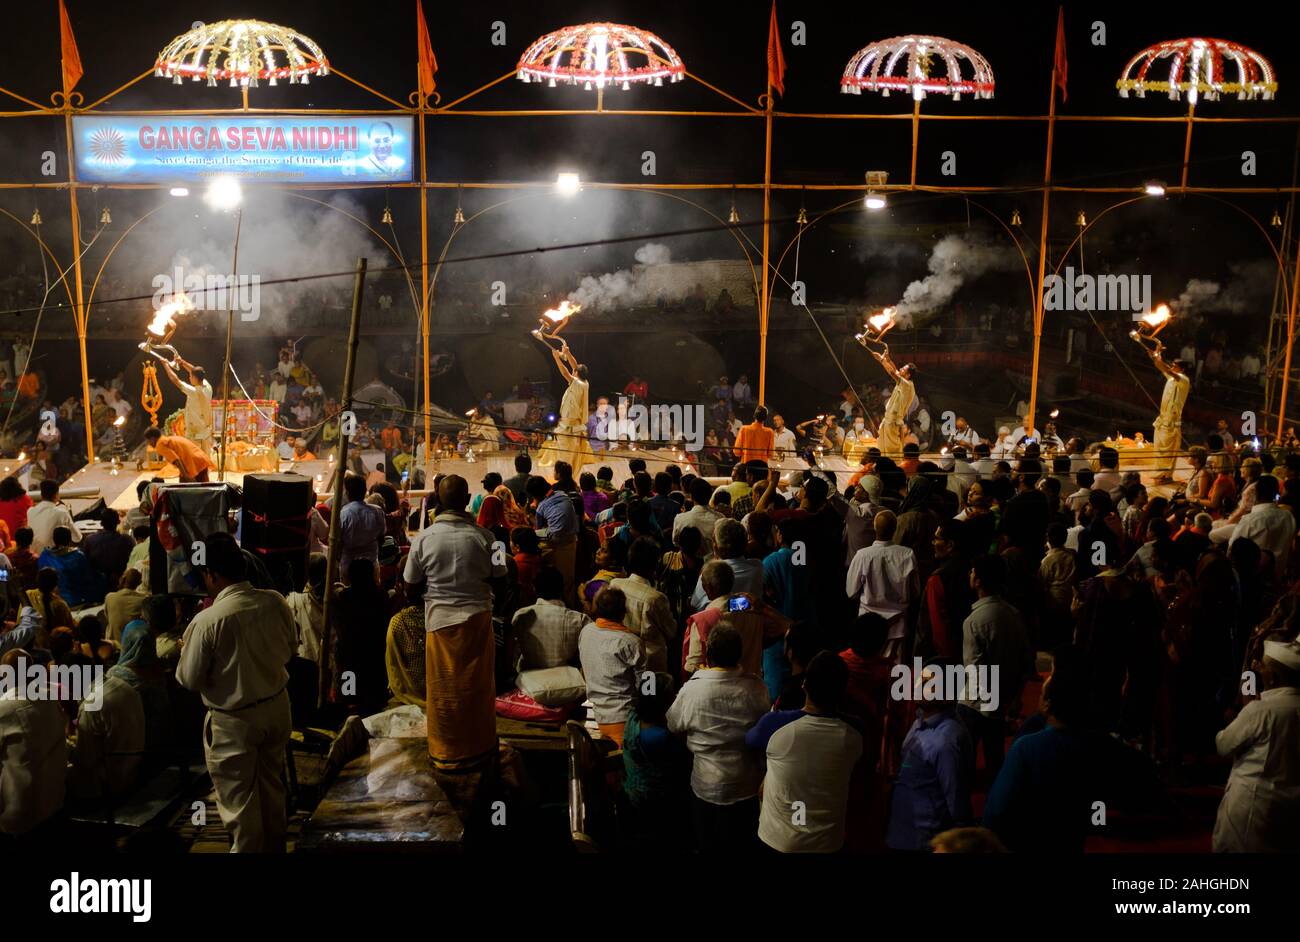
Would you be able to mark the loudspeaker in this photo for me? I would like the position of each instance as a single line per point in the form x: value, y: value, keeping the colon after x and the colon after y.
x: 274, y: 525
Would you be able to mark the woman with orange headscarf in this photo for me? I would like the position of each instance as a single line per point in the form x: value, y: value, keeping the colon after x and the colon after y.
x: 516, y: 516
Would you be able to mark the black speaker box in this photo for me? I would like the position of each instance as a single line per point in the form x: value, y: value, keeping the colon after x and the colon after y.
x: 274, y: 525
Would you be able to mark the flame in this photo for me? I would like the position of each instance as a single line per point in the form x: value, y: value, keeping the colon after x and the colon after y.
x: 119, y: 421
x: 881, y: 322
x: 163, y: 317
x: 1054, y: 413
x: 1157, y: 318
x: 558, y: 314
x: 22, y: 456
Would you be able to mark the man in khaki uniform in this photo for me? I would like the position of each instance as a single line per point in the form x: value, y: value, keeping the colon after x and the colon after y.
x: 235, y: 654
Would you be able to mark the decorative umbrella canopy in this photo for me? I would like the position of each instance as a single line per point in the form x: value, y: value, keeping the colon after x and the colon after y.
x: 600, y: 54
x: 920, y: 65
x: 243, y: 52
x: 1198, y: 67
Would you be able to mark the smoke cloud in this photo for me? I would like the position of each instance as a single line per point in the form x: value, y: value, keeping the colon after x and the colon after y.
x: 955, y: 260
x: 1247, y: 288
x: 629, y: 288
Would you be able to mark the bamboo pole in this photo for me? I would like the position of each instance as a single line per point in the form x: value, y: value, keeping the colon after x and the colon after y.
x: 764, y: 300
x: 340, y: 472
x: 79, y: 315
x: 1042, y: 258
x: 916, y: 133
x: 1290, y: 341
x: 1187, y: 141
x: 230, y: 335
x: 424, y: 289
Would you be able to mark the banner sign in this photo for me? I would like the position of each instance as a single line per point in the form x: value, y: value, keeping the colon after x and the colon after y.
x: 263, y: 148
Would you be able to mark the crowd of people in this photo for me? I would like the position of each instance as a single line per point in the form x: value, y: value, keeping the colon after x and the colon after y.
x: 803, y: 661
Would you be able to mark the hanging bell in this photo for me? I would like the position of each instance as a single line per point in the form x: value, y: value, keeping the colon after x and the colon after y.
x: 1015, y: 217
x: 387, y: 219
x: 1081, y: 220
x: 1277, y: 220
x: 460, y: 217
x: 733, y: 217
x: 802, y: 218
x: 36, y: 218
x: 105, y: 218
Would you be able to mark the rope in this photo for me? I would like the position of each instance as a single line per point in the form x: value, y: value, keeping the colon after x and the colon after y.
x: 253, y: 402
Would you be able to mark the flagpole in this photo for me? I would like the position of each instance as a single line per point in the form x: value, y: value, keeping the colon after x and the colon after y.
x: 765, y: 300
x: 1042, y: 235
x: 79, y: 316
x: 424, y: 247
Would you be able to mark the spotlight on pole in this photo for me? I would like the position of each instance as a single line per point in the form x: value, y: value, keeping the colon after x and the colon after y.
x: 1154, y: 188
x: 567, y: 183
x: 874, y: 200
x: 179, y: 191
x: 224, y: 192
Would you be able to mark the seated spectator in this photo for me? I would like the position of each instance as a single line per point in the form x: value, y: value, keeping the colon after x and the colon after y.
x: 138, y: 666
x: 123, y: 605
x: 648, y: 615
x: 33, y: 754
x: 656, y: 768
x: 528, y: 561
x: 547, y: 632
x: 612, y: 662
x: 404, y: 648
x: 110, y: 742
x: 80, y: 583
x: 110, y: 549
x: 22, y: 560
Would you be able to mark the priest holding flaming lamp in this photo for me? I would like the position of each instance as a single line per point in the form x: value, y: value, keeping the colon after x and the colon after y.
x: 570, y: 442
x: 1168, y: 423
x: 893, y: 427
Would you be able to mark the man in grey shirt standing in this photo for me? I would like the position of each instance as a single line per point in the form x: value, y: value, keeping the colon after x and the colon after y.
x: 996, y: 646
x: 456, y: 558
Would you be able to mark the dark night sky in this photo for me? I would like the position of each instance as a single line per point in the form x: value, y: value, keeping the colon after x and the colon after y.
x: 725, y: 44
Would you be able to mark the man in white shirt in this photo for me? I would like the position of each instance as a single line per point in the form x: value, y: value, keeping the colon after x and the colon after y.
x: 198, y: 403
x: 47, y: 515
x: 965, y: 435
x: 33, y: 753
x: 714, y: 709
x: 1004, y: 447
x: 1260, y: 810
x: 810, y: 761
x: 1269, y: 524
x: 884, y: 577
x: 234, y: 654
x: 785, y: 443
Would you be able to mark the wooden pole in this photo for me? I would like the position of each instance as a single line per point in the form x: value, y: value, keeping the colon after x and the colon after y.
x: 764, y: 301
x: 230, y: 334
x: 1187, y: 141
x: 340, y: 472
x: 916, y: 135
x: 1042, y: 260
x: 80, y: 317
x: 1290, y: 341
x: 424, y: 289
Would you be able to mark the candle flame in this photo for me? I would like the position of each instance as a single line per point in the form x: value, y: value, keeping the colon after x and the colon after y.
x: 1054, y: 413
x: 119, y: 421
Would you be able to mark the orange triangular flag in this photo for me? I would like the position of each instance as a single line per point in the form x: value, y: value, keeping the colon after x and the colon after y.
x: 428, y: 63
x: 775, y: 56
x: 71, y: 57
x: 1060, y: 65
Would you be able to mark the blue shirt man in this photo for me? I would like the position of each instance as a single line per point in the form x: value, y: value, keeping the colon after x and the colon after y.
x: 556, y: 514
x: 361, y: 525
x: 932, y: 793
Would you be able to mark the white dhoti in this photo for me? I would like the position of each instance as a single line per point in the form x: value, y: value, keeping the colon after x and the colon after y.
x: 245, y: 757
x: 1168, y: 445
x: 893, y: 430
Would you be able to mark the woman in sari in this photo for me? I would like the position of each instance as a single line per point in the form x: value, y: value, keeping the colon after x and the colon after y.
x: 515, y: 515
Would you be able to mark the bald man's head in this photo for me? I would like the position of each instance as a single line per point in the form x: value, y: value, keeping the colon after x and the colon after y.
x: 453, y: 492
